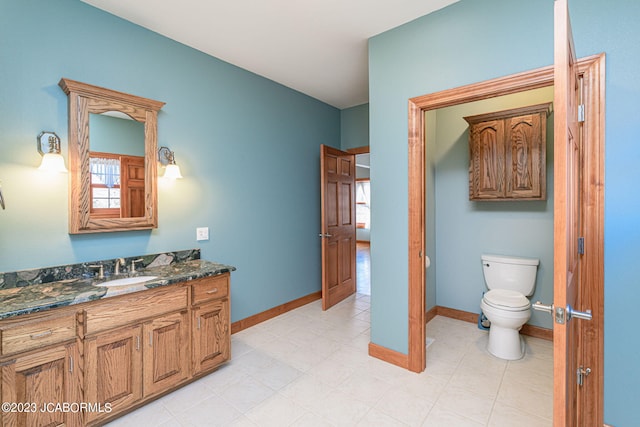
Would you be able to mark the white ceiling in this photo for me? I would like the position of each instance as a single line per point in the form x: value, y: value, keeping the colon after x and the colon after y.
x: 318, y: 47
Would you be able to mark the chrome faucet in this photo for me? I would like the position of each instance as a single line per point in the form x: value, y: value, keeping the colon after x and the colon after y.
x: 100, y: 269
x: 119, y: 263
x: 133, y: 264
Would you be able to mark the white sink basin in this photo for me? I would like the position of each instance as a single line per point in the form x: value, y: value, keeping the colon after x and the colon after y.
x: 127, y: 281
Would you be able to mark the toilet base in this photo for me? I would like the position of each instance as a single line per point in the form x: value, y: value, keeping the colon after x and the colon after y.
x: 505, y: 343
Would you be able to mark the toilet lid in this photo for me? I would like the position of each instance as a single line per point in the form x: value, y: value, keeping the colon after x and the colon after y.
x: 506, y: 299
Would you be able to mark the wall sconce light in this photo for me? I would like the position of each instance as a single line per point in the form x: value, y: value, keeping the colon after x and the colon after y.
x: 167, y: 158
x: 49, y: 149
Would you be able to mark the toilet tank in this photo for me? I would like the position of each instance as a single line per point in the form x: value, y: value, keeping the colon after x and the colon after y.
x: 513, y: 273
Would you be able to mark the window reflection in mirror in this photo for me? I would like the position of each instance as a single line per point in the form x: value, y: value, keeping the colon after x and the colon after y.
x: 116, y: 164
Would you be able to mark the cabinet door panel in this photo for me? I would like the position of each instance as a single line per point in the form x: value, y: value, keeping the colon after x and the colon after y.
x: 525, y: 156
x: 113, y: 365
x: 44, y: 378
x: 166, y: 352
x: 487, y: 160
x: 211, y: 335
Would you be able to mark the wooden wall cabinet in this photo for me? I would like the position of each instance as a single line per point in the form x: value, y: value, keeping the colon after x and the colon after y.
x: 117, y: 353
x: 507, y: 154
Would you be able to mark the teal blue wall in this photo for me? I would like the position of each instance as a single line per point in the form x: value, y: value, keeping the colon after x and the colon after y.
x: 464, y: 229
x: 472, y: 41
x: 354, y: 127
x: 248, y: 149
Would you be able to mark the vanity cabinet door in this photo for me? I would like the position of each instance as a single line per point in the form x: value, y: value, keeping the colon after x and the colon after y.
x: 166, y: 352
x: 40, y: 382
x: 113, y: 370
x: 211, y: 335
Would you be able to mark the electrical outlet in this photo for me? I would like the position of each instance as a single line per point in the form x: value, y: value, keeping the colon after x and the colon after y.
x: 202, y: 233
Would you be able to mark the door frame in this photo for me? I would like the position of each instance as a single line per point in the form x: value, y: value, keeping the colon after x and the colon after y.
x: 592, y: 69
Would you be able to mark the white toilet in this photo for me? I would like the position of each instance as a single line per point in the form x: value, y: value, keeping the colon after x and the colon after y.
x: 510, y: 281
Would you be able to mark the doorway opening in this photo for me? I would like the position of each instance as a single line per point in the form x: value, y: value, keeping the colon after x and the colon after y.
x: 363, y: 220
x: 592, y: 71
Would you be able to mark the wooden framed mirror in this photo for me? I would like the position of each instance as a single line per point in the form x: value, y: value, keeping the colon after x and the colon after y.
x: 112, y: 159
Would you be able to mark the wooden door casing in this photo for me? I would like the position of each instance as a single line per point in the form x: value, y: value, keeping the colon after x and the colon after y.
x: 338, y: 225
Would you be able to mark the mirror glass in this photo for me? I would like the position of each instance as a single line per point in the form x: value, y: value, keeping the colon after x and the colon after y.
x: 112, y: 159
x: 116, y: 162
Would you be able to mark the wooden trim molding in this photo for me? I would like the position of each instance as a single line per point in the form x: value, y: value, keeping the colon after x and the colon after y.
x: 466, y: 316
x: 453, y: 313
x: 358, y: 150
x: 430, y: 314
x: 402, y: 360
x: 387, y: 355
x: 247, y: 322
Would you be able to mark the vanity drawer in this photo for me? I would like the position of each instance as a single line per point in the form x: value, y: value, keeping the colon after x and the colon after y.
x: 209, y: 288
x: 129, y: 308
x: 19, y: 336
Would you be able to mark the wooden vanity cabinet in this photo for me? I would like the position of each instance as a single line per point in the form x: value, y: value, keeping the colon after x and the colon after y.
x: 38, y: 381
x: 507, y: 154
x: 211, y: 331
x: 136, y: 349
x: 115, y: 354
x: 40, y: 365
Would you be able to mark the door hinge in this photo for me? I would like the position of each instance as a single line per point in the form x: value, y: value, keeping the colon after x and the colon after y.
x: 581, y: 113
x: 581, y: 373
x: 580, y: 245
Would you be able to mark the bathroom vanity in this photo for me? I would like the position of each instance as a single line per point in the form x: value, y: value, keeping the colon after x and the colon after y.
x: 80, y: 352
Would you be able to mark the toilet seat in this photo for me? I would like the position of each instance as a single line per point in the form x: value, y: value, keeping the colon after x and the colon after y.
x: 507, y: 300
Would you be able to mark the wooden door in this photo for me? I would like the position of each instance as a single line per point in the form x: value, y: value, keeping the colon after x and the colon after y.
x: 165, y: 354
x: 568, y: 224
x: 132, y: 186
x: 338, y: 230
x: 113, y: 369
x: 211, y: 335
x: 49, y: 377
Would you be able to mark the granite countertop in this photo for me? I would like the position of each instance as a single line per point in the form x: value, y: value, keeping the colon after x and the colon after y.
x: 44, y: 296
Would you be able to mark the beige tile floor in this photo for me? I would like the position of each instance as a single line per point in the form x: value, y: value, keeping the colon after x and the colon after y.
x: 310, y: 368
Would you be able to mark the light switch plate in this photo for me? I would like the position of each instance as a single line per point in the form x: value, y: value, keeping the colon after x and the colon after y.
x: 202, y: 233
